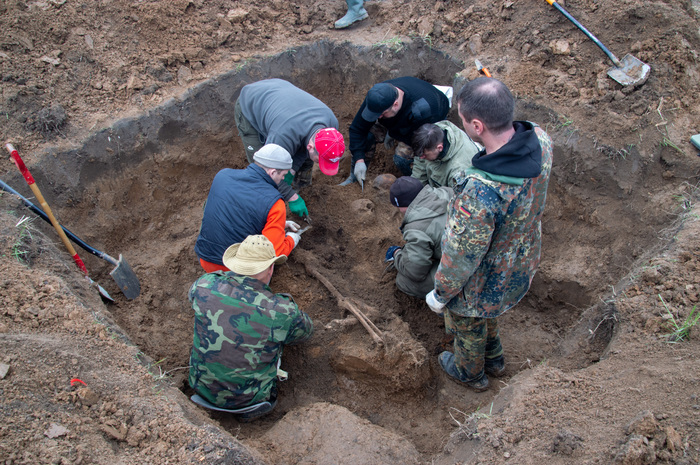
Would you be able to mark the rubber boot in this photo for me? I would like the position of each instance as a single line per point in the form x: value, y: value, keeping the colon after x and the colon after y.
x: 355, y: 13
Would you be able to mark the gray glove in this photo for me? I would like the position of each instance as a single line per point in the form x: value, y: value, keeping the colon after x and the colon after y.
x: 388, y: 142
x: 295, y: 236
x: 291, y: 226
x: 349, y: 180
x: 360, y: 171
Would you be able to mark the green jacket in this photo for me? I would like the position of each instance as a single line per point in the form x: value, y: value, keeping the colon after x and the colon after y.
x: 422, y: 228
x: 240, y: 330
x: 442, y: 171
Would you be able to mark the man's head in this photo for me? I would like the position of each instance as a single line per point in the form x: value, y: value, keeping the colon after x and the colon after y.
x: 254, y: 257
x: 404, y: 191
x: 326, y: 148
x: 428, y: 141
x: 485, y: 103
x: 382, y: 101
x: 275, y: 160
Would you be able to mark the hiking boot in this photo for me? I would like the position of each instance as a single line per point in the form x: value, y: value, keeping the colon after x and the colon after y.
x: 447, y: 362
x: 495, y: 367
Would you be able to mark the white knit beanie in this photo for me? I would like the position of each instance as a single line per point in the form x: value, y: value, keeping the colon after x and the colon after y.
x: 273, y: 156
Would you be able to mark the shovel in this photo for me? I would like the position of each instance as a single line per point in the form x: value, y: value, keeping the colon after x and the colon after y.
x: 37, y: 193
x: 122, y: 274
x: 630, y: 71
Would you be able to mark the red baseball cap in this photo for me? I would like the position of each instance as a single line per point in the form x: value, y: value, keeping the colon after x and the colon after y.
x: 330, y: 147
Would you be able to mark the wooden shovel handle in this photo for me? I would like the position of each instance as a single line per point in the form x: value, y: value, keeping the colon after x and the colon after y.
x: 45, y: 206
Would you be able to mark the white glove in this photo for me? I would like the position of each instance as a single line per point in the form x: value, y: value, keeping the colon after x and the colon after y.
x: 295, y: 236
x: 360, y: 171
x: 434, y: 303
x: 291, y: 226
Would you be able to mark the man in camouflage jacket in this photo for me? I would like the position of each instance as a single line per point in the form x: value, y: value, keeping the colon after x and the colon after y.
x: 491, y: 246
x: 241, y: 328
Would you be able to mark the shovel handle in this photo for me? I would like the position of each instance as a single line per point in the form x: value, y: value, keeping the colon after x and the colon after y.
x: 45, y: 206
x: 588, y: 33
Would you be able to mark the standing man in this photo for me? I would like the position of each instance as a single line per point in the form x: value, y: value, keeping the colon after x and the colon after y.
x: 246, y: 202
x: 425, y: 215
x: 491, y: 247
x: 240, y: 330
x: 356, y: 12
x: 441, y: 151
x: 274, y: 111
x: 401, y: 106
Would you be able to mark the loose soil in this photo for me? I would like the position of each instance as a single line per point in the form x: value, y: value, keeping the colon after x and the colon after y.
x: 122, y: 111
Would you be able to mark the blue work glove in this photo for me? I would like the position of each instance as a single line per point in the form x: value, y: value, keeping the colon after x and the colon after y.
x: 289, y: 178
x: 298, y: 207
x: 389, y: 257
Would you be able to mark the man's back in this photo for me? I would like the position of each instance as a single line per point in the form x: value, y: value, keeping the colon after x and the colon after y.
x: 422, y: 227
x: 240, y: 330
x: 237, y: 206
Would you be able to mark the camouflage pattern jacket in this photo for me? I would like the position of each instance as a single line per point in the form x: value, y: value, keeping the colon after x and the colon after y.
x: 456, y: 156
x: 491, y: 246
x: 240, y: 329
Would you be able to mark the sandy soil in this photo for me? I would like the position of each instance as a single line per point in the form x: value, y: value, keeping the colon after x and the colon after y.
x: 591, y: 375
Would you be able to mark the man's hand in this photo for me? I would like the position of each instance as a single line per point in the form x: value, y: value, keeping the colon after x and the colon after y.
x: 389, y: 257
x: 434, y: 303
x: 298, y: 207
x: 291, y: 226
x: 388, y: 142
x: 289, y: 177
x: 294, y: 236
x: 360, y: 171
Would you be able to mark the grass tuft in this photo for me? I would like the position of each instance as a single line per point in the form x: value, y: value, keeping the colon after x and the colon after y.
x: 680, y: 330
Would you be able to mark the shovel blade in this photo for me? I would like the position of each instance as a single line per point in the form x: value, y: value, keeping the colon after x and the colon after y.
x: 631, y: 72
x: 126, y: 279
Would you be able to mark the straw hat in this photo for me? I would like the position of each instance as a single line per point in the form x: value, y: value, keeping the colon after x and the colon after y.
x: 252, y: 256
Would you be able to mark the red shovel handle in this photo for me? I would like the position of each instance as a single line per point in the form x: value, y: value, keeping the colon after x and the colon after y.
x: 45, y: 206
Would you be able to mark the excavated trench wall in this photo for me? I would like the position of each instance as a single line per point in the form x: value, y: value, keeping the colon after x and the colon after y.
x: 137, y: 188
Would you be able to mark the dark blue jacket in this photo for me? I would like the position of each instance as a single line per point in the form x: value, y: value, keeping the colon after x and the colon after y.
x: 237, y: 206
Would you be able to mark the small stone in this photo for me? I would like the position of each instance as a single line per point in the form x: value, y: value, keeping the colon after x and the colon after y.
x: 184, y: 75
x: 560, y: 47
x: 237, y: 15
x: 4, y: 368
x: 55, y: 431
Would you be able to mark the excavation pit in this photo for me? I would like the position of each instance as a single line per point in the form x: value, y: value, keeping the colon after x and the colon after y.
x: 138, y: 186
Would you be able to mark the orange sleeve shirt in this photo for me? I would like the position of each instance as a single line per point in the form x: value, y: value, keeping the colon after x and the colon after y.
x: 274, y: 229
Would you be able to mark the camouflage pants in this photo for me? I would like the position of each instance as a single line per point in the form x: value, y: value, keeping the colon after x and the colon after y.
x: 252, y: 142
x: 475, y: 340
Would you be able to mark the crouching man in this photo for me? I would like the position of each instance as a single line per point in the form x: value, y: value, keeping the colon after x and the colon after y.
x: 425, y: 216
x: 240, y: 330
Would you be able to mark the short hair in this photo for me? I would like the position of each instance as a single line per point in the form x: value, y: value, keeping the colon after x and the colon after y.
x: 426, y: 137
x: 488, y: 100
